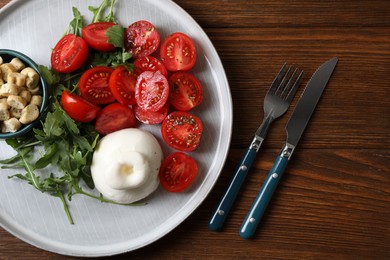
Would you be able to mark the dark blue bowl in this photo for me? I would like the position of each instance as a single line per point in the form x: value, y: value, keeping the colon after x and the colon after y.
x: 7, y: 56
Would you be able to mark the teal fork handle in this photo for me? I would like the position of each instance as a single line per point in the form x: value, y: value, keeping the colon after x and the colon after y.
x: 227, y: 200
x: 263, y: 198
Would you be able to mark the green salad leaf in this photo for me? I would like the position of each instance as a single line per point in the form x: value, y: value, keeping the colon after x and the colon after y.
x: 99, y: 11
x: 77, y: 24
x: 115, y: 36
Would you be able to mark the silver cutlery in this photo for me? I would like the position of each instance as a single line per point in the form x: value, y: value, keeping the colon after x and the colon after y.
x: 294, y: 128
x: 276, y: 103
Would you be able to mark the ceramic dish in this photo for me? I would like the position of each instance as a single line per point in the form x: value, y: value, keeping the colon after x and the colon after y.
x: 33, y: 27
x: 7, y: 56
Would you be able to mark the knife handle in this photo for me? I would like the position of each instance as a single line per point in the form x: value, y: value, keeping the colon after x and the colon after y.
x: 227, y: 200
x: 264, y: 196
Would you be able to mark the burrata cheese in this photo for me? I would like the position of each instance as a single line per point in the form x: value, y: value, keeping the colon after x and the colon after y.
x: 125, y: 165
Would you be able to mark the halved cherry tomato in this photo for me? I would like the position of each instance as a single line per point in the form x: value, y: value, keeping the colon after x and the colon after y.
x: 95, y: 36
x: 94, y: 85
x: 177, y: 172
x: 151, y: 90
x: 185, y: 92
x: 141, y: 38
x: 182, y: 131
x: 149, y: 117
x: 78, y: 108
x: 69, y: 54
x: 150, y: 63
x: 114, y: 117
x: 122, y: 85
x: 178, y: 52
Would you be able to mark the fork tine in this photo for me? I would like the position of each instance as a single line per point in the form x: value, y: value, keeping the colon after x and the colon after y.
x: 287, y: 87
x: 282, y: 84
x: 277, y: 79
x: 294, y: 88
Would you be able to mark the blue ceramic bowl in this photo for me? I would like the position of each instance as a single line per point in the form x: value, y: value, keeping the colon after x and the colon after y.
x: 7, y: 56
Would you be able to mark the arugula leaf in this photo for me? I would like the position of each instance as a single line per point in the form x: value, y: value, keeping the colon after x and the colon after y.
x: 25, y: 158
x: 69, y: 122
x: 112, y: 59
x: 52, y: 126
x: 126, y: 56
x: 14, y: 143
x: 47, y: 158
x: 87, y: 178
x: 115, y: 35
x: 98, y: 12
x: 51, y: 77
x: 10, y: 160
x: 83, y: 143
x: 76, y: 25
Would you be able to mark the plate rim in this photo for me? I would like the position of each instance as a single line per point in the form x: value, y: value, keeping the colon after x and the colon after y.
x: 29, y: 237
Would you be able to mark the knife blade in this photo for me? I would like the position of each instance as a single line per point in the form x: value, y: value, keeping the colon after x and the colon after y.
x: 294, y: 129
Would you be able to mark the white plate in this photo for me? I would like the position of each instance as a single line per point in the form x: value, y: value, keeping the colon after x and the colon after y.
x: 33, y: 27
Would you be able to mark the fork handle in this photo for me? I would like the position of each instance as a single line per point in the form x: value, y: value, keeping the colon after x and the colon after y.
x: 264, y: 196
x: 227, y: 200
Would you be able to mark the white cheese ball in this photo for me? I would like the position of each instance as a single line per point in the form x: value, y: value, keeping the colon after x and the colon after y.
x: 125, y: 165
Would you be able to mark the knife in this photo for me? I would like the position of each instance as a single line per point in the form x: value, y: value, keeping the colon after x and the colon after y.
x: 294, y: 129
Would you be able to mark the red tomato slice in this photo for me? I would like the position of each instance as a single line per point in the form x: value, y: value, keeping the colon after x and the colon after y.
x: 69, y: 54
x: 150, y: 63
x: 151, y: 91
x: 122, y: 85
x: 114, y: 117
x: 185, y: 92
x: 94, y: 85
x: 177, y: 172
x: 141, y: 38
x: 182, y: 131
x: 78, y: 108
x: 149, y: 117
x: 95, y: 36
x: 178, y: 52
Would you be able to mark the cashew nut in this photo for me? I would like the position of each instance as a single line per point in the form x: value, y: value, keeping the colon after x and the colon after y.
x: 35, y: 91
x: 6, y: 68
x: 18, y: 64
x: 32, y: 77
x: 17, y: 78
x: 8, y: 89
x: 11, y: 125
x: 26, y: 95
x: 36, y: 100
x: 29, y: 114
x: 4, y: 112
x: 3, y: 101
x: 15, y: 112
x: 16, y: 101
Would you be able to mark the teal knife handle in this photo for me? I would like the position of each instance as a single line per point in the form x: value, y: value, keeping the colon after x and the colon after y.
x: 264, y: 196
x: 227, y: 200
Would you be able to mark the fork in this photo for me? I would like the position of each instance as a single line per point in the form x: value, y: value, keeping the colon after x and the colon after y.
x: 276, y: 103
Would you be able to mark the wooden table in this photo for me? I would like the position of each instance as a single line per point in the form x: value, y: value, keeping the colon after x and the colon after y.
x: 334, y: 201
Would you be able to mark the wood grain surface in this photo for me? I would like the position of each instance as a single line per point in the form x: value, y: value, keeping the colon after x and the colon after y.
x: 334, y: 200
